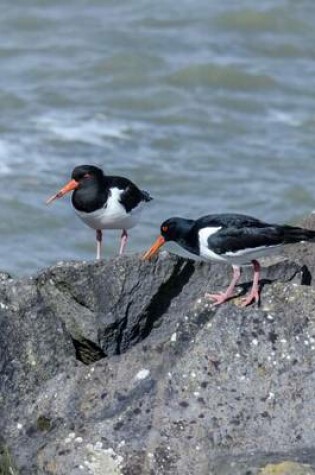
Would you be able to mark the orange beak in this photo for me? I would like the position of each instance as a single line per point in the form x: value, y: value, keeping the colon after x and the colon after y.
x: 72, y: 185
x: 154, y: 248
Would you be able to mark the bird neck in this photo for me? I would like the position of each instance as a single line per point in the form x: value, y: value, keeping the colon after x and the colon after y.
x: 186, y: 237
x: 91, y: 196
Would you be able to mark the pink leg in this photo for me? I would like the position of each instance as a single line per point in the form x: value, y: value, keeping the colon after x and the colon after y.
x: 224, y: 296
x: 98, y: 243
x: 123, y: 241
x: 254, y: 293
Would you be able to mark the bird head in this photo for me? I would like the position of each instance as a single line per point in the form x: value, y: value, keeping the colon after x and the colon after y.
x: 173, y: 229
x: 81, y: 176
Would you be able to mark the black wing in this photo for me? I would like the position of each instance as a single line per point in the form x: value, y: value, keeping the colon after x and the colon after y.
x: 236, y: 239
x: 132, y: 195
x: 239, y: 232
x: 230, y: 220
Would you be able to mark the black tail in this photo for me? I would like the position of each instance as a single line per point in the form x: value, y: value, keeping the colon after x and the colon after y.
x: 146, y: 196
x: 293, y: 234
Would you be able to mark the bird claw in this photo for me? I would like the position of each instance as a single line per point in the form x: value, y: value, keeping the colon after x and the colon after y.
x: 244, y: 302
x: 218, y: 298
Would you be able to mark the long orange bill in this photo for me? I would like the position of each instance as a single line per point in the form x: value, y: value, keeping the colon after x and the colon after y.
x: 70, y: 186
x: 154, y: 248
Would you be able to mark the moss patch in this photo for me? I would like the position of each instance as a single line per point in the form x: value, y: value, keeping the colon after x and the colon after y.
x: 7, y: 466
x: 43, y: 424
x: 287, y: 468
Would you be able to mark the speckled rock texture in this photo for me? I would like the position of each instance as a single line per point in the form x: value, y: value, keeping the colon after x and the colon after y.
x: 123, y: 367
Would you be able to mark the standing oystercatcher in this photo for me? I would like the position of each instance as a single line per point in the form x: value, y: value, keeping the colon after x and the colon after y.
x: 104, y: 202
x: 233, y: 238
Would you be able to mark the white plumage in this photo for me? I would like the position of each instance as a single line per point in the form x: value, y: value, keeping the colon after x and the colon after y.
x: 242, y: 256
x: 113, y: 215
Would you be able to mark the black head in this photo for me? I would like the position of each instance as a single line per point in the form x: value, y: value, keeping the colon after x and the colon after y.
x: 84, y: 173
x: 174, y: 229
x: 83, y: 178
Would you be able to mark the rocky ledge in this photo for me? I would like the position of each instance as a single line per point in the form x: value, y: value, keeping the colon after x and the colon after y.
x: 123, y: 367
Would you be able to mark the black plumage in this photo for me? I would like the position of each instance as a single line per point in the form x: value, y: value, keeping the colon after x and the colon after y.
x: 95, y: 189
x: 239, y: 233
x: 104, y: 202
x: 234, y: 238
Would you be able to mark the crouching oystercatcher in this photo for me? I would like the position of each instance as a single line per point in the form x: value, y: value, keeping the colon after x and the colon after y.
x: 233, y: 238
x: 104, y: 202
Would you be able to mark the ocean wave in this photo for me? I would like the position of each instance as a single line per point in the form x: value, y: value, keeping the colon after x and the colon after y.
x: 23, y: 157
x: 6, y: 152
x: 11, y: 155
x: 94, y: 130
x: 282, y: 117
x: 276, y: 20
x: 224, y: 77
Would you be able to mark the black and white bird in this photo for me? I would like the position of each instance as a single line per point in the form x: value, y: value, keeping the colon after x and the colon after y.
x: 104, y: 202
x: 232, y: 238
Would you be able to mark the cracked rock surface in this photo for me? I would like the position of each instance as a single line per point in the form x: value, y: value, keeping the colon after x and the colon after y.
x: 123, y: 367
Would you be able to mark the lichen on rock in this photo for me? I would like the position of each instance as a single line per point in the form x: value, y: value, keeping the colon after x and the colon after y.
x: 287, y: 468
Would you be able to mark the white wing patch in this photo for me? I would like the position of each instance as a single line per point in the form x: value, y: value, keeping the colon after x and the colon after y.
x: 113, y: 215
x: 242, y: 256
x: 113, y: 206
x: 205, y: 252
x: 205, y: 233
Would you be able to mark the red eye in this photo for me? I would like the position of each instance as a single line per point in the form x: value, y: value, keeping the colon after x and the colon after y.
x: 164, y: 229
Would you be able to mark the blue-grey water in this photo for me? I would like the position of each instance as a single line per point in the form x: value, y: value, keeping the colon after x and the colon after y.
x: 208, y: 105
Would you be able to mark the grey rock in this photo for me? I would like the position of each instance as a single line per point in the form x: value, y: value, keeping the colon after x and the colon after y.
x: 304, y: 253
x: 33, y: 340
x: 123, y: 367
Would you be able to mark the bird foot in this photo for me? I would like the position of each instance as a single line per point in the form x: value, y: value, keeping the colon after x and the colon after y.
x: 253, y: 296
x: 218, y: 298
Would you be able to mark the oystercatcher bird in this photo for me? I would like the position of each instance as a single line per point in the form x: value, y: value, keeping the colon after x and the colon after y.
x: 104, y: 202
x: 232, y: 238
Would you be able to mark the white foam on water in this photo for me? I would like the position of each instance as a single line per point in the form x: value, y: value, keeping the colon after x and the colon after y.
x: 6, y: 153
x: 275, y: 115
x: 11, y: 156
x: 92, y: 130
x: 24, y: 151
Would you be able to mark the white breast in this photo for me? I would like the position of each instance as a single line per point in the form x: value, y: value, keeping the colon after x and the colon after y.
x: 113, y: 215
x: 205, y: 252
